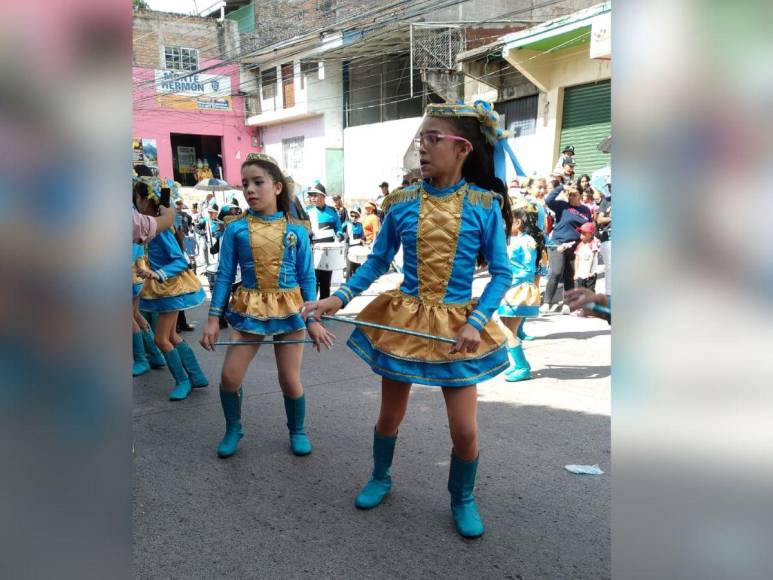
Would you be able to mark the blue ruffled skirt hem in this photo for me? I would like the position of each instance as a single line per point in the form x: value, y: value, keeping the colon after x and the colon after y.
x: 270, y: 326
x: 172, y: 303
x: 458, y: 373
x: 521, y: 311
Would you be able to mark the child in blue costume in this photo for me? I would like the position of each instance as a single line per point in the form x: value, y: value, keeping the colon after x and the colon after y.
x: 273, y: 251
x: 170, y: 286
x: 444, y: 225
x: 522, y: 300
x: 146, y: 353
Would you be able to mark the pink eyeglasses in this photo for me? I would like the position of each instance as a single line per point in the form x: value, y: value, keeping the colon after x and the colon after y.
x: 432, y: 139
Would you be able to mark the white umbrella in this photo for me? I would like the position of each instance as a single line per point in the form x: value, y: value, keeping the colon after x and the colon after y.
x: 213, y: 184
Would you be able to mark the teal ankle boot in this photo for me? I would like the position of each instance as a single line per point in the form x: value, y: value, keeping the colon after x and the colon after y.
x: 232, y: 410
x: 182, y: 387
x: 296, y: 413
x: 461, y: 481
x: 191, y: 365
x: 521, y: 333
x: 380, y: 482
x: 141, y: 364
x: 521, y: 370
x: 156, y: 357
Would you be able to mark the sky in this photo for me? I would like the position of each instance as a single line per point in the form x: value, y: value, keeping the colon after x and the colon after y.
x: 179, y: 6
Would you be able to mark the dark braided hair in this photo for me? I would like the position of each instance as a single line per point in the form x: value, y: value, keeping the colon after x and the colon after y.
x: 529, y: 220
x: 478, y: 168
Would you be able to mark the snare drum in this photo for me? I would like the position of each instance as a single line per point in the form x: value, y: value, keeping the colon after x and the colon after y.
x: 329, y: 256
x: 358, y: 254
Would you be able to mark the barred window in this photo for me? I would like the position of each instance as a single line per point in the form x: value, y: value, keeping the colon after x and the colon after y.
x: 178, y: 58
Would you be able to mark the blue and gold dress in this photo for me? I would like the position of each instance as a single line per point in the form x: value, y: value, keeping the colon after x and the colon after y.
x: 442, y: 232
x: 138, y: 261
x: 522, y: 299
x: 274, y: 255
x: 178, y: 288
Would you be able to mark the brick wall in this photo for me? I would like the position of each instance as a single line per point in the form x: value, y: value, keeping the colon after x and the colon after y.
x: 153, y: 30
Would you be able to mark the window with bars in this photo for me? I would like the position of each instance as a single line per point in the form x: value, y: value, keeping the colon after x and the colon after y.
x: 520, y: 115
x: 268, y: 83
x: 178, y: 58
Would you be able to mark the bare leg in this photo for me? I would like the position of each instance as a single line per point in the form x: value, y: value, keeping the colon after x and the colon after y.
x: 165, y: 331
x: 394, y: 403
x: 288, y: 364
x: 511, y: 324
x: 462, y: 409
x: 237, y: 359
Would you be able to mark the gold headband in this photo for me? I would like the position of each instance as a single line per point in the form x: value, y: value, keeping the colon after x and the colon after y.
x: 262, y: 157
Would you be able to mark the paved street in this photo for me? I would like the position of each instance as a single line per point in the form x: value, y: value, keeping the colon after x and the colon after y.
x: 267, y: 514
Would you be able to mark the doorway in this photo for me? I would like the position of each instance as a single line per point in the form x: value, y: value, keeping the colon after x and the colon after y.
x: 188, y: 150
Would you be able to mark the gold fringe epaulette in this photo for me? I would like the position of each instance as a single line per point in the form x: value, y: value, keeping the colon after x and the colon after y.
x: 399, y: 196
x: 299, y: 222
x: 232, y: 218
x: 483, y: 198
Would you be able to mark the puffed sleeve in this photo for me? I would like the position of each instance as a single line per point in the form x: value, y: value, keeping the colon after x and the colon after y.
x: 226, y: 270
x: 384, y: 249
x: 494, y: 247
x: 178, y: 262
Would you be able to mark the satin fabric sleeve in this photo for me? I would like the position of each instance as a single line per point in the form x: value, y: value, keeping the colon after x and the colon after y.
x: 384, y: 249
x: 528, y: 263
x: 226, y: 272
x: 178, y: 262
x: 494, y: 247
x: 304, y: 268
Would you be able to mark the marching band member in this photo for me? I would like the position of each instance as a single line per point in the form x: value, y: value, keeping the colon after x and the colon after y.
x: 445, y: 224
x: 273, y: 253
x: 325, y: 228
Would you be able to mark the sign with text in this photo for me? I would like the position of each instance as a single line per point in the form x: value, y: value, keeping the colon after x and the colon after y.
x: 601, y: 37
x: 193, y: 92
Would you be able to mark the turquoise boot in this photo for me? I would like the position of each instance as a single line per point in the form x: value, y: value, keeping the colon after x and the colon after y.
x: 381, y: 479
x: 141, y: 364
x: 521, y: 370
x: 461, y: 481
x: 182, y: 387
x: 232, y: 410
x: 296, y: 413
x: 188, y: 358
x: 521, y: 333
x: 157, y: 360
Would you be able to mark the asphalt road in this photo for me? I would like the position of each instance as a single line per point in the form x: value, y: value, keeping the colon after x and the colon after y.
x: 265, y: 513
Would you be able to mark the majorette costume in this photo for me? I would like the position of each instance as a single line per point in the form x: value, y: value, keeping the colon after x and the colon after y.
x: 177, y: 289
x: 522, y: 300
x: 442, y: 232
x: 274, y: 255
x: 146, y: 354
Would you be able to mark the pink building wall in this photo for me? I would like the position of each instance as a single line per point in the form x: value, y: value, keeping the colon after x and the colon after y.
x: 152, y: 121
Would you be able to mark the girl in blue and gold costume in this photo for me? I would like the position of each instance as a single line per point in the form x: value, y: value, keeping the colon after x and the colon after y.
x: 170, y: 286
x: 273, y: 251
x: 522, y: 300
x: 445, y: 225
x: 146, y: 353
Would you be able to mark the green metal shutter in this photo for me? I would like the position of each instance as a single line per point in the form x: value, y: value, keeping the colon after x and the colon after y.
x: 586, y: 121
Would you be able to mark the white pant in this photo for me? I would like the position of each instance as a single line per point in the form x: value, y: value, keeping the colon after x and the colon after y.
x: 605, y: 249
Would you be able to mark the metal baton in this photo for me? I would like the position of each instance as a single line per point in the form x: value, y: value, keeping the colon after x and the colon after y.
x: 389, y: 328
x: 246, y: 342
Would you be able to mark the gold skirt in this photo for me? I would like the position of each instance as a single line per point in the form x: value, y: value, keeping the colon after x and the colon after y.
x: 265, y: 304
x: 184, y: 283
x: 526, y: 294
x: 394, y: 308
